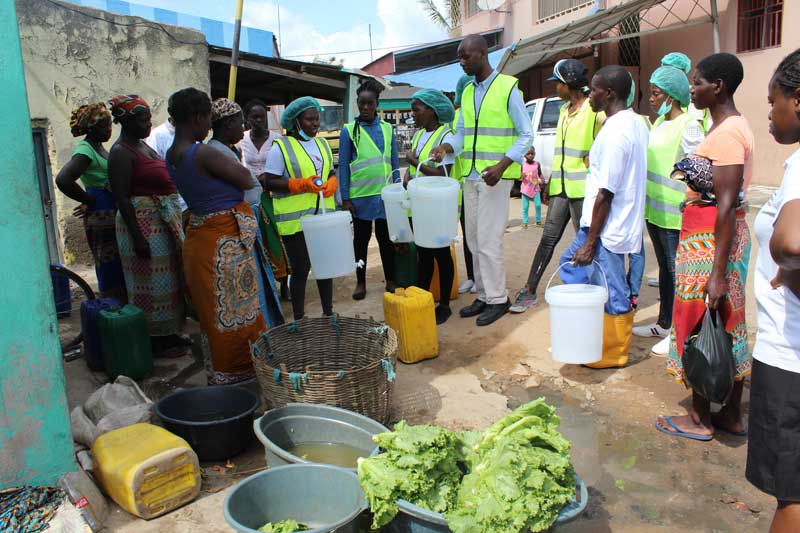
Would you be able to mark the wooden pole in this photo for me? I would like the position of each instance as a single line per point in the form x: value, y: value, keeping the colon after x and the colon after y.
x: 237, y: 30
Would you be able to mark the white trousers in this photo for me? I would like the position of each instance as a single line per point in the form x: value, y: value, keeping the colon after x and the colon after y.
x: 486, y: 211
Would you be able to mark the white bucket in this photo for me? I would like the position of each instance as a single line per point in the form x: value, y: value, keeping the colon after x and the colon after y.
x: 576, y: 321
x: 434, y: 209
x: 396, y: 204
x: 329, y: 239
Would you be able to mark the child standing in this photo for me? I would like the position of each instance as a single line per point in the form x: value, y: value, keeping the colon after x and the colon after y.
x: 531, y: 187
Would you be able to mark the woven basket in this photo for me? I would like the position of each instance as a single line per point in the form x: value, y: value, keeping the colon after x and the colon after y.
x: 344, y: 362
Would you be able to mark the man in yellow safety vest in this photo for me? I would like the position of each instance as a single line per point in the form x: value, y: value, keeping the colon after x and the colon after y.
x: 492, y: 135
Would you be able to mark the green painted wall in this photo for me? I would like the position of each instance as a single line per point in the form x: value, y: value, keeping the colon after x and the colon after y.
x: 35, y: 438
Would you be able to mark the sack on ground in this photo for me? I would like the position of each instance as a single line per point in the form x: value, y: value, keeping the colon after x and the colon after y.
x: 112, y: 406
x: 708, y: 363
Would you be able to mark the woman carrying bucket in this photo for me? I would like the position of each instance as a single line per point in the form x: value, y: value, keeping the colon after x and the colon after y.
x: 432, y: 112
x: 301, y: 168
x: 369, y: 161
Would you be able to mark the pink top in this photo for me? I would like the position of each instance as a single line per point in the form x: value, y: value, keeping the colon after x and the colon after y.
x: 530, y: 179
x: 730, y: 143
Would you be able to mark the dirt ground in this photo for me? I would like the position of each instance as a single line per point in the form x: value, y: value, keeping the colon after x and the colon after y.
x: 639, y: 480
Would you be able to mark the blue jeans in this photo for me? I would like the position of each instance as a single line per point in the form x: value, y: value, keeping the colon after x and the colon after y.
x: 537, y: 204
x: 636, y: 271
x: 613, y: 265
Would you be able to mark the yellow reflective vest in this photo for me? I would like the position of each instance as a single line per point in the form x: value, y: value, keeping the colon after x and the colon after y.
x: 371, y: 171
x: 290, y: 208
x: 489, y: 133
x: 574, y: 139
x: 664, y: 194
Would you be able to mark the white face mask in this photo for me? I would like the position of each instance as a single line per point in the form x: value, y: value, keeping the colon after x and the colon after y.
x: 665, y: 108
x: 303, y: 135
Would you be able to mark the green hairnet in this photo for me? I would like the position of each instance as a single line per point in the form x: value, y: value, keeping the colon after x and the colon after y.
x: 463, y: 81
x: 671, y: 78
x: 295, y: 109
x: 632, y: 94
x: 437, y: 101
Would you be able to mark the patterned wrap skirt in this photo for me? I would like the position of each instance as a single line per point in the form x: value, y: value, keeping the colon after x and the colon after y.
x: 693, y: 265
x: 223, y: 278
x: 156, y: 284
x: 100, y: 225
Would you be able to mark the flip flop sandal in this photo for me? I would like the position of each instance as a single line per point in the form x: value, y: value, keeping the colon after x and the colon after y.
x: 678, y: 432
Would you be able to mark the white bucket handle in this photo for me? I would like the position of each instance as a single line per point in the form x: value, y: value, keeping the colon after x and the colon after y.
x: 605, y: 278
x: 389, y: 179
x: 428, y: 160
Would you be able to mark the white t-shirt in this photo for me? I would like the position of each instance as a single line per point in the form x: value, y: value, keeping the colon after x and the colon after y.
x: 255, y: 158
x: 778, y: 337
x: 448, y: 159
x: 618, y: 163
x: 276, y: 166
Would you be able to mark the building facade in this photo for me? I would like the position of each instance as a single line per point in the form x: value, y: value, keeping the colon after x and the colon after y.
x: 756, y: 30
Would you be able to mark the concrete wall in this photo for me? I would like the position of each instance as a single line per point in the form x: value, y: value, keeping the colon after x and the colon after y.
x: 35, y: 438
x: 72, y: 59
x: 695, y: 41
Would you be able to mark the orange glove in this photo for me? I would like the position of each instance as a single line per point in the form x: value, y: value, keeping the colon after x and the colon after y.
x: 329, y: 189
x: 300, y: 185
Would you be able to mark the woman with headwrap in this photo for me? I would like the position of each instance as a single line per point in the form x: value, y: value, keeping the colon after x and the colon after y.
x: 227, y: 125
x: 368, y: 162
x: 468, y: 285
x: 711, y: 264
x: 432, y: 112
x: 301, y: 167
x: 221, y: 270
x: 149, y: 227
x: 674, y: 135
x: 90, y: 163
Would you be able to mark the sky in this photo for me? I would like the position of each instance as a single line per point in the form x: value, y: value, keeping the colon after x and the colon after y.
x: 324, y: 27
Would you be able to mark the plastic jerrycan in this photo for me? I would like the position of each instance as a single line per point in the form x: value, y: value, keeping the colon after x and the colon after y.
x: 90, y: 328
x: 410, y: 312
x: 435, y: 289
x: 126, y: 342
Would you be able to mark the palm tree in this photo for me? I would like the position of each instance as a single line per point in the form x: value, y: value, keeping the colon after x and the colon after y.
x: 450, y: 19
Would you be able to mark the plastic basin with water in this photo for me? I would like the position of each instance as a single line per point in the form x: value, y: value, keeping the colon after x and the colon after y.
x: 323, y: 497
x: 299, y: 423
x: 413, y: 519
x: 215, y: 421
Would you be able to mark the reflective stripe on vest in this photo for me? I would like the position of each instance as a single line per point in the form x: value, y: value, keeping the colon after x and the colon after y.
x: 574, y: 139
x: 290, y: 208
x: 664, y: 194
x: 489, y: 133
x: 459, y: 164
x: 371, y: 170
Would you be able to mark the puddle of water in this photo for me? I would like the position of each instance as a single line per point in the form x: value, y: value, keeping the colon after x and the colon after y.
x: 634, y: 473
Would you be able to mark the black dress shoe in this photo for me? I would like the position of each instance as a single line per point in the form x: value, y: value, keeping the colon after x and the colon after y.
x: 474, y: 309
x: 492, y: 313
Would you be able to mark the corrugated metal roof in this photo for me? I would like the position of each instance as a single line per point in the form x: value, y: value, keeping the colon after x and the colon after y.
x: 443, y: 77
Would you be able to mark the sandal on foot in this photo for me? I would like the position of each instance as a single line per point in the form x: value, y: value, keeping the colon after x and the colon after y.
x: 679, y: 432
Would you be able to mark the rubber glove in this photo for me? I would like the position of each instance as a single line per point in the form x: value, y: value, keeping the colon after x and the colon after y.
x: 329, y: 189
x: 300, y: 185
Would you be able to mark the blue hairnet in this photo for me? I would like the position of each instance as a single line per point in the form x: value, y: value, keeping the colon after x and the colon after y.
x: 295, y: 109
x: 463, y: 81
x: 437, y: 101
x: 671, y: 78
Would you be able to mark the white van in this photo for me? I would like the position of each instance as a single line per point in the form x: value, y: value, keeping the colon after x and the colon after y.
x: 544, y: 121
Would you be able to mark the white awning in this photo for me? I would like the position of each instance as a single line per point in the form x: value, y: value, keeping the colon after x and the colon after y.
x: 530, y: 52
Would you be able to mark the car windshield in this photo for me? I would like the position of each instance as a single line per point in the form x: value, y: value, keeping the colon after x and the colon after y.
x: 331, y: 118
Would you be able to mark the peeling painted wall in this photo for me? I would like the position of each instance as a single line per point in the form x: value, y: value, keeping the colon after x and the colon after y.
x: 35, y: 439
x: 75, y: 55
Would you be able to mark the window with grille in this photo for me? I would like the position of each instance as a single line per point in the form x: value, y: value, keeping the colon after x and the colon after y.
x: 629, y: 48
x: 760, y: 24
x: 548, y: 8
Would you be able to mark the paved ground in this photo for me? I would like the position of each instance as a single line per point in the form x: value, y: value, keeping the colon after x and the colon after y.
x: 639, y: 479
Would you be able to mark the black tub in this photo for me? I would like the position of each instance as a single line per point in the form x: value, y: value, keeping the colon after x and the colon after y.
x: 217, y: 422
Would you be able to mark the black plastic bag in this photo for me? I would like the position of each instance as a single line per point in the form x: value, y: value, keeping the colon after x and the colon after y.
x: 708, y: 364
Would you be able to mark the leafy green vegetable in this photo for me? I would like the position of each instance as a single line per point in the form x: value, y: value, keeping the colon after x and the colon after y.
x: 518, y: 473
x: 419, y: 465
x: 284, y: 526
